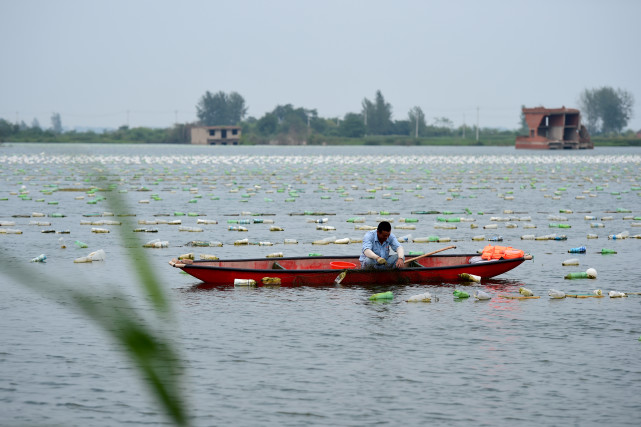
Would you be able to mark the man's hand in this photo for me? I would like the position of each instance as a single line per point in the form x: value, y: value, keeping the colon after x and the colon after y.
x: 381, y: 260
x: 400, y: 263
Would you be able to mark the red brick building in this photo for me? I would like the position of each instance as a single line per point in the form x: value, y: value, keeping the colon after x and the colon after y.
x: 554, y: 128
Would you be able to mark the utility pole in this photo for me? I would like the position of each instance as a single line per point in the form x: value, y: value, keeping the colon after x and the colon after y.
x: 463, y: 125
x: 477, y: 124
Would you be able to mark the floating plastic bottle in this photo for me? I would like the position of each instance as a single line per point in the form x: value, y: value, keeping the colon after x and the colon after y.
x: 592, y: 236
x: 424, y: 297
x: 571, y: 261
x: 590, y: 273
x: 460, y: 294
x: 382, y: 295
x: 186, y: 256
x: 275, y: 255
x: 62, y: 243
x: 98, y: 255
x: 208, y: 257
x: 616, y: 294
x: 290, y: 242
x: 579, y: 250
x: 525, y: 292
x: 244, y: 282
x: 80, y: 244
x: 597, y: 292
x: 481, y: 295
x: 271, y: 281
x: 156, y: 243
x: 553, y: 293
x: 404, y: 239
x: 623, y: 235
x: 470, y: 277
x: 39, y: 258
x: 206, y: 221
x: 608, y: 251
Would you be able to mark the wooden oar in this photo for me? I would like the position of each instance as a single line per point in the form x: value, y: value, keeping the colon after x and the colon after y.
x: 429, y: 253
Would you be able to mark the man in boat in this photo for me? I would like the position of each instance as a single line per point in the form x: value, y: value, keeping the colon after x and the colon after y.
x: 376, y: 246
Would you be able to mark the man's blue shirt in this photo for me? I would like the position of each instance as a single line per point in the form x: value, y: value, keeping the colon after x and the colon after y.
x: 370, y: 241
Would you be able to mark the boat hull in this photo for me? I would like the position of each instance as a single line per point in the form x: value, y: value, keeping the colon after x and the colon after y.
x: 316, y: 271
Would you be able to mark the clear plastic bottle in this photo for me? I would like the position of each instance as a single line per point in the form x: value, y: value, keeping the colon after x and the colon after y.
x: 39, y: 258
x: 553, y: 293
x: 424, y: 297
x: 481, y: 295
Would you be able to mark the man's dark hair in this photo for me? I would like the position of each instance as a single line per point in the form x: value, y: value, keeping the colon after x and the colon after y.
x: 384, y: 226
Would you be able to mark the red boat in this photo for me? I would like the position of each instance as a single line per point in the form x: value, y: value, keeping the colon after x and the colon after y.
x: 326, y: 270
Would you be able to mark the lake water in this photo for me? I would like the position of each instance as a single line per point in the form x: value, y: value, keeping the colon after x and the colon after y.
x: 326, y: 356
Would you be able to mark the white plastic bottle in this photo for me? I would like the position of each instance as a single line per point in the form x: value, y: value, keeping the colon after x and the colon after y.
x: 481, y: 295
x: 553, y: 293
x: 40, y: 258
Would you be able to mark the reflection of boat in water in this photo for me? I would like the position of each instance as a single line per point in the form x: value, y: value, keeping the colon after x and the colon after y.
x: 317, y: 271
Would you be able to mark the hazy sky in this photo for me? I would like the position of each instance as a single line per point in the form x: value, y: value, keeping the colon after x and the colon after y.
x: 147, y: 63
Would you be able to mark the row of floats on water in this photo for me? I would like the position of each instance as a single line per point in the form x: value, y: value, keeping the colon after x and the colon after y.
x: 524, y: 294
x: 321, y: 224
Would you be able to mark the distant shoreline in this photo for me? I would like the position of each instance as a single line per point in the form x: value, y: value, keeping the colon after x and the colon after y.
x: 387, y: 141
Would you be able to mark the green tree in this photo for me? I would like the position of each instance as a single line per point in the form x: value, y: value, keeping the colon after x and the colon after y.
x: 267, y: 125
x: 352, y: 126
x: 56, y: 123
x: 523, y: 126
x: 377, y: 115
x: 417, y: 121
x: 7, y: 130
x: 221, y: 109
x: 606, y: 110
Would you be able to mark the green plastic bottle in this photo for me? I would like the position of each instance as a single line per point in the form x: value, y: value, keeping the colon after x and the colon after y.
x: 382, y: 295
x: 608, y: 251
x: 580, y: 275
x: 460, y: 294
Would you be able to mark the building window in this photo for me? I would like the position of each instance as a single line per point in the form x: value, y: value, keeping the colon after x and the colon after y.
x: 212, y: 132
x: 234, y: 132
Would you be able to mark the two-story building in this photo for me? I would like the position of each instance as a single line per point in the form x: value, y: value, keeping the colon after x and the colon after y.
x: 215, y: 135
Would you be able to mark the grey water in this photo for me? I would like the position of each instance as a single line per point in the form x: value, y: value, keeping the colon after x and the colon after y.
x: 328, y: 355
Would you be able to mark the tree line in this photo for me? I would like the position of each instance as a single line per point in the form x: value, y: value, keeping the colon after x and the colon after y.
x: 605, y: 111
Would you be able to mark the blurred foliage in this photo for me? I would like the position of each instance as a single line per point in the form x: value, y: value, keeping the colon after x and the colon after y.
x: 145, y: 341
